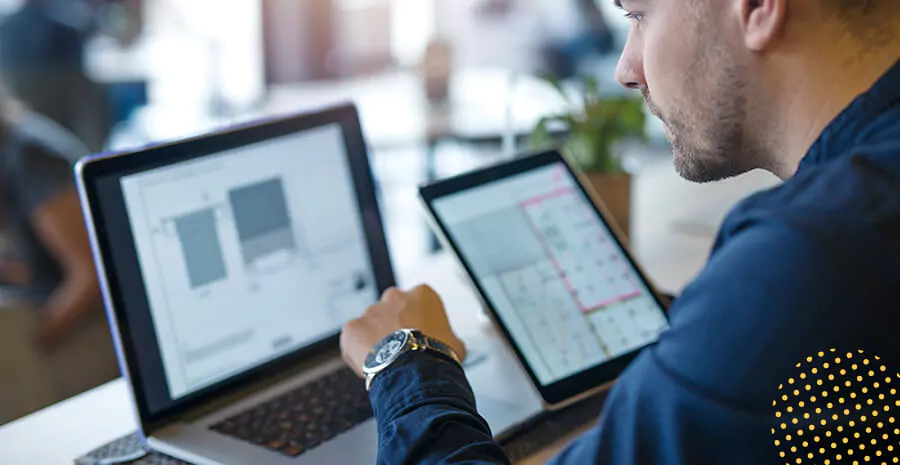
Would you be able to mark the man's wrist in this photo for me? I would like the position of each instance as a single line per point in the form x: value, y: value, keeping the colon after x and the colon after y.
x: 429, y: 356
x: 414, y: 378
x: 398, y: 343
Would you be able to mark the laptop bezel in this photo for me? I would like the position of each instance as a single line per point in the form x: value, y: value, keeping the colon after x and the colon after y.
x: 90, y: 170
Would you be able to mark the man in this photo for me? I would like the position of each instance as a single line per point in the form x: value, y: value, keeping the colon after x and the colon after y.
x: 54, y: 340
x: 806, y: 89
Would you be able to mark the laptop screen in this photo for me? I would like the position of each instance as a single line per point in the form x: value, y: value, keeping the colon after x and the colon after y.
x: 249, y: 254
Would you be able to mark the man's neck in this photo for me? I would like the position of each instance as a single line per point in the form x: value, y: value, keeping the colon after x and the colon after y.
x: 815, y: 91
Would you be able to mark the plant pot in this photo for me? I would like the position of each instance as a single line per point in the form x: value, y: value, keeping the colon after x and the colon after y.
x: 614, y: 190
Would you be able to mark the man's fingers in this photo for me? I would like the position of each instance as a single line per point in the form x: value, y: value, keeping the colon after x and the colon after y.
x: 349, y: 342
x: 369, y: 311
x: 429, y: 298
x: 423, y: 291
x: 356, y: 367
x: 420, y: 308
x: 391, y: 294
x: 461, y: 349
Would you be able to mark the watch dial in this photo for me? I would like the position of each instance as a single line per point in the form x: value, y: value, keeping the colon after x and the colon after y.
x: 386, y: 350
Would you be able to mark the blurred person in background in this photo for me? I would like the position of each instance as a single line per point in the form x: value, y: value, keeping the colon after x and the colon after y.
x: 54, y: 338
x: 575, y: 30
x: 569, y: 32
x: 42, y: 63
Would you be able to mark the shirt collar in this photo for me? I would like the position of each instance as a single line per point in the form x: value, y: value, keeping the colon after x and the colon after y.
x: 850, y: 125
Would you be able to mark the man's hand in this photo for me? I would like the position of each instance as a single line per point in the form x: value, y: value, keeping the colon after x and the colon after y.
x: 420, y: 309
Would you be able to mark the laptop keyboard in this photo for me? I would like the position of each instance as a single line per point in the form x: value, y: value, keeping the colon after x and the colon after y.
x: 304, y: 418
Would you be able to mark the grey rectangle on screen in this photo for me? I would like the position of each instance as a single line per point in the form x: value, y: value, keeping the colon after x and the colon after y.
x: 201, y: 247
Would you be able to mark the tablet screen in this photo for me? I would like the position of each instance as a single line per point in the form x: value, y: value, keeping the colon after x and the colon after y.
x: 562, y: 285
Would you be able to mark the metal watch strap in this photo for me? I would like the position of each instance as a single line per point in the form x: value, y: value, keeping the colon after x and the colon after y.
x: 430, y: 343
x: 421, y: 343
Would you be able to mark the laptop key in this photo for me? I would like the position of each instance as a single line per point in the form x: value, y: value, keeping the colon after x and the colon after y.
x: 276, y: 444
x: 292, y: 449
x: 302, y: 419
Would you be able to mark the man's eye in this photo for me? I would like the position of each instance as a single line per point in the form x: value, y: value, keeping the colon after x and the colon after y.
x: 634, y: 16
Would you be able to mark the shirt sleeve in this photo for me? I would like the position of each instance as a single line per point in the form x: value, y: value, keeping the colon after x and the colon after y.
x: 426, y: 414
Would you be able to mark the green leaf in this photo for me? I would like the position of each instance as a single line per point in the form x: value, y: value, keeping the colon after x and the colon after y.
x: 594, y: 126
x: 591, y: 90
x: 541, y: 137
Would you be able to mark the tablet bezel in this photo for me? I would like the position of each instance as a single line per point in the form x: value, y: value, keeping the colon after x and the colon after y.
x: 586, y: 382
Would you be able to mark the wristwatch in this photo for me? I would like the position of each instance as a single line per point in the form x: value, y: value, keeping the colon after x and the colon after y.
x: 389, y: 350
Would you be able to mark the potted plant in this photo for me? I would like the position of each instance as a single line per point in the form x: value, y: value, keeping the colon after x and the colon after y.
x: 588, y: 133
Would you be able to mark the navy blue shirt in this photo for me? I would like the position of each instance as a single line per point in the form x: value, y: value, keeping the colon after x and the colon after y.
x: 796, y: 271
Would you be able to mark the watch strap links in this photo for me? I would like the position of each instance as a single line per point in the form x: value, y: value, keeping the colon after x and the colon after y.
x: 423, y: 343
x: 435, y: 345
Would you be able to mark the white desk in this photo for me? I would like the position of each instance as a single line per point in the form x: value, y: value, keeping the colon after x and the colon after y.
x: 673, y: 227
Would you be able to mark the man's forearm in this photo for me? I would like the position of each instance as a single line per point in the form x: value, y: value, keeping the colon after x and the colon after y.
x: 426, y: 414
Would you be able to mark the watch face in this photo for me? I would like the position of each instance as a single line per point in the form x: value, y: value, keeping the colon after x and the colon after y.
x: 386, y: 350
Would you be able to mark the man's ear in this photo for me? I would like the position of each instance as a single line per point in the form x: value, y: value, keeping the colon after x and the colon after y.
x: 763, y: 22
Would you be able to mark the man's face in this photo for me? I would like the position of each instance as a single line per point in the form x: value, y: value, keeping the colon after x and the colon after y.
x: 678, y: 55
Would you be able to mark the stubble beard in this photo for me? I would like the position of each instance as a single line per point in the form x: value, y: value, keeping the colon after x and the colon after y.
x: 708, y: 125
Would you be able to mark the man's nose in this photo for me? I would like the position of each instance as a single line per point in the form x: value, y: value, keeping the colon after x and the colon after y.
x: 630, y: 70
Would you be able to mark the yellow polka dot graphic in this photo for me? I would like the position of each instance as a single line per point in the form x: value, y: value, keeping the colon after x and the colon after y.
x: 858, y: 422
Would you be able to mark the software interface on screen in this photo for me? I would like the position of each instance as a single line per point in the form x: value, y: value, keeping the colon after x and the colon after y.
x: 249, y: 254
x: 552, y: 271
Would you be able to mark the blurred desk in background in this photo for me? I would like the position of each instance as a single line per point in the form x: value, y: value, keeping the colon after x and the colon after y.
x: 483, y: 104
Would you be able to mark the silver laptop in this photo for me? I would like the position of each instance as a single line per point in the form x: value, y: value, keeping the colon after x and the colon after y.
x: 229, y: 264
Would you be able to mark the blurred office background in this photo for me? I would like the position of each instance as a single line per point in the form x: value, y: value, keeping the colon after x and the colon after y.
x: 443, y: 85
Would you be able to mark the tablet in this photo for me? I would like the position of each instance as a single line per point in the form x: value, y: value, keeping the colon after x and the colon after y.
x: 551, y: 271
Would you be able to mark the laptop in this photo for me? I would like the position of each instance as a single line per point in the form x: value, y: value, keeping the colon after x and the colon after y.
x: 228, y: 264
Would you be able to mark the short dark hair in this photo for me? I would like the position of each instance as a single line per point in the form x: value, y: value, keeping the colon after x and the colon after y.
x: 867, y: 19
x: 860, y: 8
x: 846, y: 5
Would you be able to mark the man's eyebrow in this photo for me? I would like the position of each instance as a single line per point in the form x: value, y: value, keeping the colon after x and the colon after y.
x: 618, y: 4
